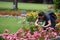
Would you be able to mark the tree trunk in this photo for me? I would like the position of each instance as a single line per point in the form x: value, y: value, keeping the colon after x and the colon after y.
x: 15, y: 4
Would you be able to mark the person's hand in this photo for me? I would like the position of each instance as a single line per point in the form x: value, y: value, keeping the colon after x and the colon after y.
x: 45, y: 26
x: 42, y: 25
x: 36, y: 25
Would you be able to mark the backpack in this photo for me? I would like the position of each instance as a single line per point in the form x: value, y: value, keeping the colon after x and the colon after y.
x: 53, y: 15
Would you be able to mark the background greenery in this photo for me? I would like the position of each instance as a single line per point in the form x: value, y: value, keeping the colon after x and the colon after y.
x: 57, y: 4
x: 25, y: 6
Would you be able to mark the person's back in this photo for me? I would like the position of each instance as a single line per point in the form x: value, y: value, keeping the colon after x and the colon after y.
x: 49, y: 22
x: 52, y: 18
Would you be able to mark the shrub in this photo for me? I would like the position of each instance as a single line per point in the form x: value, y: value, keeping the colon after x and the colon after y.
x: 31, y: 18
x: 57, y: 4
x: 1, y: 38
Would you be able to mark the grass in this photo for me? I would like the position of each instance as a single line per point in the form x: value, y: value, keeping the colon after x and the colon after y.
x: 10, y: 23
x: 25, y: 6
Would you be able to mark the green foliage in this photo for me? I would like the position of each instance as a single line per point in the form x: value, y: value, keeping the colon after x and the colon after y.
x: 57, y: 4
x: 31, y: 29
x: 58, y: 11
x: 1, y: 38
x: 26, y: 6
x: 30, y: 18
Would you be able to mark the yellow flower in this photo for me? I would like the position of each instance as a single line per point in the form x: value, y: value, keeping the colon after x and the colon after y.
x: 28, y: 14
x: 57, y: 24
x: 34, y: 14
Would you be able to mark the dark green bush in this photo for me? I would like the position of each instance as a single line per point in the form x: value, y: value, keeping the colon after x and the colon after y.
x: 1, y: 38
x: 57, y: 4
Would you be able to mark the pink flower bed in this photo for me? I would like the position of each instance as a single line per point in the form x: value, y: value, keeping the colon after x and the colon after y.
x: 26, y: 35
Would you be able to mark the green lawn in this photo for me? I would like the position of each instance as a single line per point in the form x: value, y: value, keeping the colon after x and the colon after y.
x: 25, y: 6
x: 10, y: 23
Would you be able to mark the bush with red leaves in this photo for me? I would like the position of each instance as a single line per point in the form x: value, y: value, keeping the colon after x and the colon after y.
x: 59, y: 14
x: 57, y: 20
x: 13, y: 13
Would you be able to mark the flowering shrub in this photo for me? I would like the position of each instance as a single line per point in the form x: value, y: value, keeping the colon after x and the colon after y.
x: 32, y: 13
x: 26, y: 35
x: 31, y: 16
x: 57, y: 20
x: 58, y: 23
x: 13, y: 13
x: 59, y: 14
x: 58, y: 27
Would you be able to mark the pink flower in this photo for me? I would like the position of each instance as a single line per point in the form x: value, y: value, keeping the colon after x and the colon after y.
x: 21, y: 38
x: 6, y: 31
x: 49, y: 39
x: 46, y: 37
x: 51, y: 28
x: 54, y: 34
x: 5, y: 35
x: 31, y: 38
x: 24, y: 36
x: 0, y: 35
x: 17, y: 39
x: 36, y: 34
x: 19, y: 35
x: 25, y: 39
x: 28, y: 35
x: 40, y: 29
x: 43, y: 32
x: 8, y: 37
x: 20, y: 30
x: 57, y: 36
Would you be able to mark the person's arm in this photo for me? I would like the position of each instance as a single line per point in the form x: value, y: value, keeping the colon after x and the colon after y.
x: 48, y: 20
x: 36, y: 23
x: 49, y: 23
x: 43, y: 24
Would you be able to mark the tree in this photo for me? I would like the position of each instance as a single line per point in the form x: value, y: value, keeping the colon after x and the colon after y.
x: 57, y: 4
x: 15, y: 4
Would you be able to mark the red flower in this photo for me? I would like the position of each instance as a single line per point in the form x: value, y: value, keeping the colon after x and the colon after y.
x: 58, y: 14
x: 57, y: 20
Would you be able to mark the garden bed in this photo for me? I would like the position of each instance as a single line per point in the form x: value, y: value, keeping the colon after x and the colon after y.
x: 13, y: 13
x: 23, y: 22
